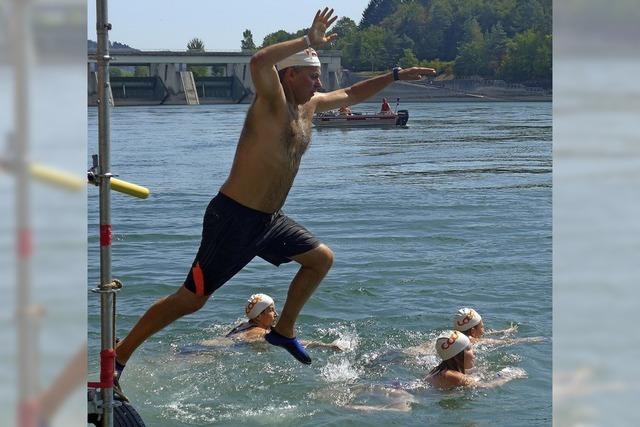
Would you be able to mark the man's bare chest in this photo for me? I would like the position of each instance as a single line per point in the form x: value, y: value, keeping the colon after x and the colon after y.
x: 298, y: 136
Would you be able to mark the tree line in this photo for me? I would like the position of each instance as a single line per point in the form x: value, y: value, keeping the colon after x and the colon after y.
x: 494, y: 39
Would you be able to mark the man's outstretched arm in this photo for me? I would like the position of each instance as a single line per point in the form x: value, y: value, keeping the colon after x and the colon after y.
x: 263, y: 71
x: 363, y: 90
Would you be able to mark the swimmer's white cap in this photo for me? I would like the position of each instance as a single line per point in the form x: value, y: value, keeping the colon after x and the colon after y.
x: 465, y: 319
x: 256, y: 304
x: 450, y: 343
x: 305, y: 58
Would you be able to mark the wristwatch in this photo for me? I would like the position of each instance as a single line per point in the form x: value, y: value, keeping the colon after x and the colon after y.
x: 396, y: 76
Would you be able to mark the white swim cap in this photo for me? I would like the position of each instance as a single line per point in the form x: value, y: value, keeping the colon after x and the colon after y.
x: 465, y: 319
x: 305, y: 58
x: 450, y: 343
x: 256, y: 304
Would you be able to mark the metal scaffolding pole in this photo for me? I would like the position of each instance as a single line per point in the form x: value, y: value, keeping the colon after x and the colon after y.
x: 27, y: 313
x: 107, y: 294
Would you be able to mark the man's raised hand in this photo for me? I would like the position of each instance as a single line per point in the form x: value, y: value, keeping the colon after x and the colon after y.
x: 321, y: 22
x: 416, y: 73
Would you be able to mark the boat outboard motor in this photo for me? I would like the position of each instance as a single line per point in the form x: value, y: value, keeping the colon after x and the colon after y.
x: 403, y: 117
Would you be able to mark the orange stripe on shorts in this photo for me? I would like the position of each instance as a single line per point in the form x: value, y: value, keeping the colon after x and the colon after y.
x: 198, y: 279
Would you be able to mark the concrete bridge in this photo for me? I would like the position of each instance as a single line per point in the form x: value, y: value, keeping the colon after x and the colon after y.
x: 170, y: 82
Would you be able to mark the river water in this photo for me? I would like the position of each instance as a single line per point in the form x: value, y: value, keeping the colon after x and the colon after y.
x: 453, y: 211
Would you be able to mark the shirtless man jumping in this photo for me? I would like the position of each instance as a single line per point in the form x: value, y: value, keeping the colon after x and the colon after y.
x: 245, y: 218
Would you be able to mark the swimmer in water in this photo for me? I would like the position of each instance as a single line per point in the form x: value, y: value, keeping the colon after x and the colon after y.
x: 470, y: 323
x: 262, y: 315
x: 458, y: 357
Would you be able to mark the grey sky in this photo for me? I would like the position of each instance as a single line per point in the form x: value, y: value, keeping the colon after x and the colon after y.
x: 170, y: 24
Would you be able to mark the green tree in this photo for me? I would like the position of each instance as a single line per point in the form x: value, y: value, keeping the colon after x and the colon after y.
x: 394, y: 46
x: 472, y: 36
x: 217, y: 71
x: 195, y: 44
x: 199, y: 70
x: 463, y: 12
x: 408, y: 59
x: 351, y: 48
x: 471, y: 60
x: 141, y: 71
x: 529, y: 14
x: 472, y: 31
x: 120, y: 72
x: 496, y: 41
x: 373, y: 49
x: 277, y: 37
x: 376, y: 11
x: 344, y: 28
x: 300, y: 33
x: 503, y: 9
x: 543, y: 67
x: 441, y: 67
x: 439, y: 21
x: 410, y: 20
x: 115, y: 72
x: 529, y: 57
x: 545, y: 25
x: 472, y: 56
x: 247, y: 41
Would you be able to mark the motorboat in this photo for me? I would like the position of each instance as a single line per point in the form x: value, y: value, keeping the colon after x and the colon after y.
x: 335, y: 119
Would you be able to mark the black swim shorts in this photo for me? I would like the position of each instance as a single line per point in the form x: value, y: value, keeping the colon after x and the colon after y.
x: 233, y: 234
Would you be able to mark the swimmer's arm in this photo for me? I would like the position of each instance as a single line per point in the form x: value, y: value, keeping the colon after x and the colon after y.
x: 509, y: 341
x: 496, y: 382
x: 217, y: 342
x: 252, y: 335
x: 503, y: 377
x: 453, y: 379
x: 510, y: 330
x: 418, y: 350
x: 364, y: 90
x: 319, y: 344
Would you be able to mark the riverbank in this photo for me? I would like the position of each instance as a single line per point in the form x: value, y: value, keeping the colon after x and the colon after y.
x: 416, y: 92
x: 455, y: 91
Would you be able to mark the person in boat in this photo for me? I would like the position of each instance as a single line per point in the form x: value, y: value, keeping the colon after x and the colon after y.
x: 458, y: 357
x: 262, y: 315
x: 345, y: 111
x: 245, y: 219
x: 385, y: 108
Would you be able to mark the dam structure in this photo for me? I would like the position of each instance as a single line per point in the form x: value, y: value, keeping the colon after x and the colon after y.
x: 168, y: 77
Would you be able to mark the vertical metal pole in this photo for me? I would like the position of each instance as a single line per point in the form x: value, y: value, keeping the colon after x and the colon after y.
x: 26, y: 315
x: 104, y: 140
